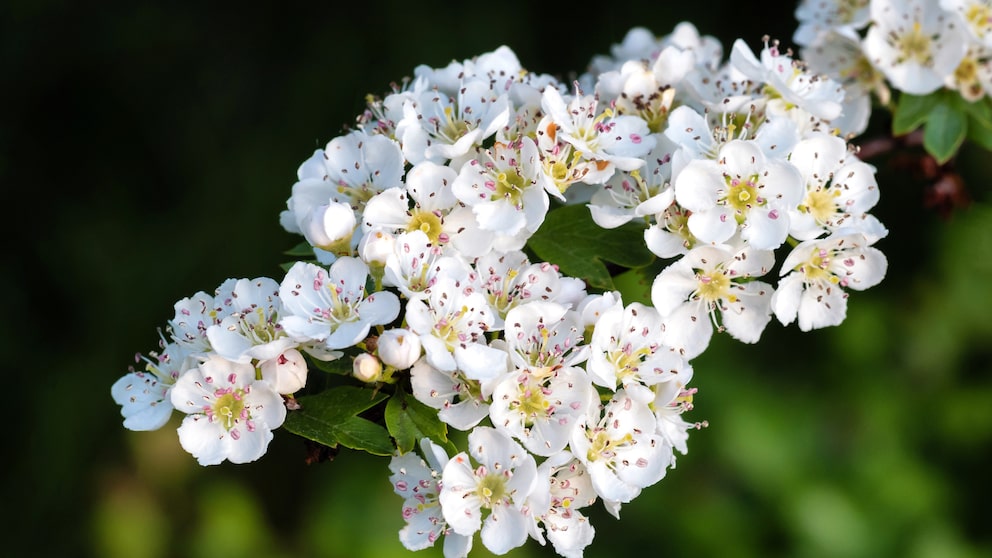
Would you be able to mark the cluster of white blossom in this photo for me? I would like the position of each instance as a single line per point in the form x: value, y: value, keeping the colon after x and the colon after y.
x: 419, y: 219
x: 913, y: 46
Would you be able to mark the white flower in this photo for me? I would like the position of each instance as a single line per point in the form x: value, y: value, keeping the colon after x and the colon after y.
x: 350, y: 170
x: 417, y: 263
x: 330, y: 306
x: 598, y: 135
x: 251, y: 330
x: 498, y: 487
x: 626, y: 348
x: 460, y: 401
x: 976, y: 15
x: 839, y: 186
x: 417, y: 481
x: 708, y: 281
x: 435, y: 211
x: 541, y: 406
x: 504, y: 192
x: 791, y: 84
x: 230, y: 415
x: 815, y: 275
x: 620, y: 449
x: 742, y: 188
x: 144, y: 396
x: 366, y: 368
x: 570, y: 490
x: 638, y: 193
x: 509, y: 279
x: 914, y: 43
x: 821, y: 16
x: 452, y: 323
x: 438, y: 128
x: 193, y: 315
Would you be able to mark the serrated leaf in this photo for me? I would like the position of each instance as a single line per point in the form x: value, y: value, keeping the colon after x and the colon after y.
x: 912, y: 112
x: 945, y: 131
x: 580, y: 248
x: 330, y: 418
x: 409, y: 421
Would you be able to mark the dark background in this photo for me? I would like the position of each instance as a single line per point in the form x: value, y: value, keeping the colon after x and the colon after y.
x: 146, y: 150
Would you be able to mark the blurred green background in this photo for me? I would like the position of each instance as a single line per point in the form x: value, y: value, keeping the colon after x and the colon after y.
x: 146, y: 150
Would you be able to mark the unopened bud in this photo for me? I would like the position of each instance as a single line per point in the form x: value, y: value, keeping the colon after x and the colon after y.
x: 376, y: 246
x: 399, y: 348
x: 330, y: 227
x: 367, y: 368
x: 286, y: 373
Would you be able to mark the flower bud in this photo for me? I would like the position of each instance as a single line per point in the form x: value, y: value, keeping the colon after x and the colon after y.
x: 367, y: 368
x: 376, y: 246
x: 399, y: 348
x: 330, y: 226
x: 286, y: 373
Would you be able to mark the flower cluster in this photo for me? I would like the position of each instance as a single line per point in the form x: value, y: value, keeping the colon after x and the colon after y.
x: 914, y: 46
x: 418, y: 275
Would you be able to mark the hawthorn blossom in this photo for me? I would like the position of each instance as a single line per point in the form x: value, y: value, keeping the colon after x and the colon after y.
x: 713, y: 287
x: 417, y: 481
x: 144, y: 396
x: 491, y: 495
x: 251, y: 330
x: 570, y: 490
x: 452, y: 323
x: 229, y: 414
x: 816, y: 274
x: 627, y: 348
x: 915, y: 43
x: 619, y: 447
x: 330, y: 306
x: 741, y: 189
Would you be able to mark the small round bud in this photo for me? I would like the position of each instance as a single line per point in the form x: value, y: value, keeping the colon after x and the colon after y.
x: 376, y: 246
x: 286, y: 373
x: 367, y: 368
x: 399, y: 348
x: 330, y: 227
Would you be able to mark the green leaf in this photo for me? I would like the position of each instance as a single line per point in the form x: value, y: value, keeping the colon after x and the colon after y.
x: 635, y: 285
x: 980, y: 133
x: 301, y: 250
x: 945, y: 131
x: 911, y: 112
x: 580, y: 248
x: 409, y: 420
x: 979, y: 111
x: 342, y: 366
x: 330, y: 418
